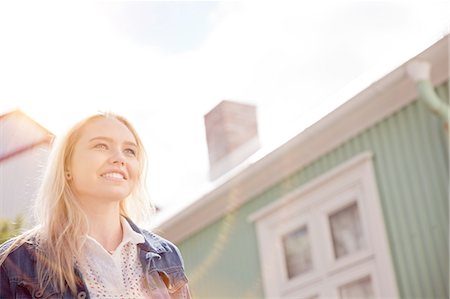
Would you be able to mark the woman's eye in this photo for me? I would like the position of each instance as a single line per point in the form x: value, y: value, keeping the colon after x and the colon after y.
x: 101, y: 146
x: 130, y: 151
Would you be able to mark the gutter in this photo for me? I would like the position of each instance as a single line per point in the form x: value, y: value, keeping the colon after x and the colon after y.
x: 419, y: 72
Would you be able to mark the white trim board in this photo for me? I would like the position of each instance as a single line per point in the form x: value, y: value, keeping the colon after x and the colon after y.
x: 322, y: 179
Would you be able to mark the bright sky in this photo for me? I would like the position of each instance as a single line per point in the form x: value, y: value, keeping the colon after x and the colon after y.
x: 163, y: 65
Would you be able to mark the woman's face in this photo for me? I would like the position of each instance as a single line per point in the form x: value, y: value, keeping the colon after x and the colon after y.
x: 104, y: 164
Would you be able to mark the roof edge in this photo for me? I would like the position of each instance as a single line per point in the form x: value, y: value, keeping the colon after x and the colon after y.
x: 382, y: 98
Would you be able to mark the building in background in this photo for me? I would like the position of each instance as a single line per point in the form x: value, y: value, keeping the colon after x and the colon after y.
x: 24, y: 149
x: 355, y: 206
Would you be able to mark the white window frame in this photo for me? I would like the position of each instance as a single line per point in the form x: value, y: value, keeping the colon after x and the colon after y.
x: 284, y: 228
x: 311, y: 204
x: 342, y: 200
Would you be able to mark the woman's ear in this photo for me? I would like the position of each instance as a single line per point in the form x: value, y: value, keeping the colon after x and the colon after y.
x: 68, y: 175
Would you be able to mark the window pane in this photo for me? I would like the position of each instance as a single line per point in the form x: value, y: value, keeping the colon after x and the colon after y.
x: 346, y: 231
x: 360, y: 289
x: 297, y: 252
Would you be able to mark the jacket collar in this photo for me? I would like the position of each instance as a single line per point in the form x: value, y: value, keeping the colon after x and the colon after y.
x: 152, y: 243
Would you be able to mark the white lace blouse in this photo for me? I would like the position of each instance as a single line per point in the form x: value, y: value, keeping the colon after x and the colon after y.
x: 116, y: 275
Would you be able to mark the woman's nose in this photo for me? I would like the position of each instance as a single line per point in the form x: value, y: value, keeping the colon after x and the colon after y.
x: 118, y: 158
x: 119, y: 162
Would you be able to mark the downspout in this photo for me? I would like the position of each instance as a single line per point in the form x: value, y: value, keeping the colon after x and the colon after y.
x: 419, y: 72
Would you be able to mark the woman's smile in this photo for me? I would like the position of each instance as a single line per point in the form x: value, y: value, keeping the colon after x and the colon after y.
x: 114, y: 176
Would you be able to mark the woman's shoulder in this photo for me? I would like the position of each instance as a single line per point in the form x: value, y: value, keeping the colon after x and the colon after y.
x: 159, y: 243
x: 18, y: 258
x: 11, y: 245
x: 168, y: 252
x: 17, y: 247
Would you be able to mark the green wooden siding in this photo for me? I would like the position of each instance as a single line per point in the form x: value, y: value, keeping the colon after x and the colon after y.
x: 411, y: 164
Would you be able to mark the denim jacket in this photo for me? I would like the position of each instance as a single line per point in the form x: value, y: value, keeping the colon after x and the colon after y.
x: 161, y: 261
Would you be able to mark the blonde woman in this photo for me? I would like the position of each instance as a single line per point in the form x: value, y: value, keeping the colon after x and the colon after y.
x: 86, y: 245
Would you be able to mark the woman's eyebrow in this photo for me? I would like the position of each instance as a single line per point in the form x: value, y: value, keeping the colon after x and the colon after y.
x: 101, y: 138
x: 131, y: 143
x: 111, y: 140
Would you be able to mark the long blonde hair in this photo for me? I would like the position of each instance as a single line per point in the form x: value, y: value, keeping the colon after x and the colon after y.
x: 62, y: 222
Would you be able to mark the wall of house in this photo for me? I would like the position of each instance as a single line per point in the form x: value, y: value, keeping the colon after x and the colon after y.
x: 410, y: 151
x: 20, y: 178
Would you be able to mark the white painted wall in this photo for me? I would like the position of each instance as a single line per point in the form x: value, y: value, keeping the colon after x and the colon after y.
x: 20, y: 177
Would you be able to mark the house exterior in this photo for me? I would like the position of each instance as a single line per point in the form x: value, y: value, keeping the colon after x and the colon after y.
x: 355, y: 206
x: 24, y: 148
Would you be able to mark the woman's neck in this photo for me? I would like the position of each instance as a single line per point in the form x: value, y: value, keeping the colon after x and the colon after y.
x: 105, y: 225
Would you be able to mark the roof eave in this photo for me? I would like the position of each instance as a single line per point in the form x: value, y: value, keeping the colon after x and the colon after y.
x: 382, y: 98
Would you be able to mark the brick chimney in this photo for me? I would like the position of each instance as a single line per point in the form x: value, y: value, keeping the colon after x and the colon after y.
x: 231, y: 134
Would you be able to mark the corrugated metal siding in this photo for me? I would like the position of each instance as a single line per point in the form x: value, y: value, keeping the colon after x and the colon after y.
x: 411, y: 163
